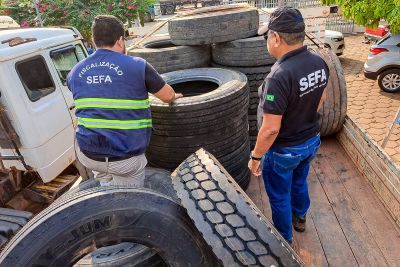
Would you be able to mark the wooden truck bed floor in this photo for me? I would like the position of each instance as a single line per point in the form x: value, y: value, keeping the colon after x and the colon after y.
x: 346, y: 225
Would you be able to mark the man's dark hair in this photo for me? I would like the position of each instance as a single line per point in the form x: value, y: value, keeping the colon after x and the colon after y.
x: 291, y: 38
x: 106, y: 30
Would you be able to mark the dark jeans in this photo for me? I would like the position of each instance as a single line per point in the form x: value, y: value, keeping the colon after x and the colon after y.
x: 285, y: 173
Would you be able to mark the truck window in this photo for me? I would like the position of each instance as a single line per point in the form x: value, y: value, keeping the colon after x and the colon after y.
x: 35, y: 77
x: 65, y: 59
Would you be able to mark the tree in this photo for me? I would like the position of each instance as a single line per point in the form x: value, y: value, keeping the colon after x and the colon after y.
x: 369, y: 12
x: 76, y: 13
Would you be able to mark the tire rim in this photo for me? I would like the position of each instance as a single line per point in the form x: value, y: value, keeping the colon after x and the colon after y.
x: 391, y: 81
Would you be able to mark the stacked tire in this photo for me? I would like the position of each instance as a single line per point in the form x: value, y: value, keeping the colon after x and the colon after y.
x: 164, y: 56
x: 249, y: 56
x: 215, y: 119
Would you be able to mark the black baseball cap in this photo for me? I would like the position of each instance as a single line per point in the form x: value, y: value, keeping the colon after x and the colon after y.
x: 285, y: 20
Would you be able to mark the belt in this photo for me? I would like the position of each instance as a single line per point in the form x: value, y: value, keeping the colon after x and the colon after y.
x: 104, y: 159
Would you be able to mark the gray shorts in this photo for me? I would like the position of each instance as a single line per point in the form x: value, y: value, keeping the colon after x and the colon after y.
x: 127, y: 172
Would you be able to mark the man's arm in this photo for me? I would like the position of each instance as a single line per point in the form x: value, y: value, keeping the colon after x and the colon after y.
x: 266, y: 137
x: 321, y: 101
x: 267, y: 134
x: 167, y: 94
x: 158, y: 87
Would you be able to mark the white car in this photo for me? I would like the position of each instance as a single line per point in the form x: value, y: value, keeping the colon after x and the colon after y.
x: 335, y: 41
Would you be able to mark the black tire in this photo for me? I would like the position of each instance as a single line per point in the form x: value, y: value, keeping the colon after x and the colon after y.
x: 248, y: 52
x: 61, y: 234
x: 389, y: 81
x: 124, y: 254
x: 129, y: 254
x: 166, y: 57
x: 214, y: 25
x: 232, y: 225
x: 216, y: 120
x: 335, y: 107
x: 255, y: 77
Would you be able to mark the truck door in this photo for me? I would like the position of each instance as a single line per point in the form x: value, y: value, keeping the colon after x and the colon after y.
x: 63, y: 59
x: 40, y: 115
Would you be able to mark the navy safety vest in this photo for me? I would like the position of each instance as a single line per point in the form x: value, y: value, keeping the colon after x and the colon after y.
x: 112, y: 104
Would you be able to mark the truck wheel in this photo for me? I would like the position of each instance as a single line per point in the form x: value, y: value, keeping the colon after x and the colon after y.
x: 231, y: 224
x: 389, y: 80
x: 214, y: 25
x: 62, y: 234
x: 255, y: 77
x: 335, y: 107
x: 213, y: 115
x: 249, y: 52
x: 166, y: 57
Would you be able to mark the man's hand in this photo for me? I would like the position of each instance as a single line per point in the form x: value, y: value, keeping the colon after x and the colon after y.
x: 167, y: 94
x: 177, y: 96
x: 255, y: 167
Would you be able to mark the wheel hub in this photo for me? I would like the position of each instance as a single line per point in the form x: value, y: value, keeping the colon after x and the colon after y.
x: 391, y: 81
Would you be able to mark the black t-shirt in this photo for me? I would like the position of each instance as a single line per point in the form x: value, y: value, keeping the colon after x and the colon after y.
x: 154, y: 82
x: 293, y: 89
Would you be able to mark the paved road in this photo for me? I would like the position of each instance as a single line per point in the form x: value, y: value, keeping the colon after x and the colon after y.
x: 372, y: 108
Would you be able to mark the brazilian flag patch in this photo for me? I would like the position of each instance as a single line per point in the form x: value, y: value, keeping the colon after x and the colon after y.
x: 270, y: 98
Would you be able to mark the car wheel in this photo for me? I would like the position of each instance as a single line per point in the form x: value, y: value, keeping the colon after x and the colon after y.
x: 389, y: 81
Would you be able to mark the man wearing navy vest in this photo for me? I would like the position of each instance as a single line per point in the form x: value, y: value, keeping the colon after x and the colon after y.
x: 289, y: 138
x: 111, y: 90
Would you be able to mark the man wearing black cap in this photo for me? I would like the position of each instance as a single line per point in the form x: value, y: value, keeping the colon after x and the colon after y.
x: 289, y: 137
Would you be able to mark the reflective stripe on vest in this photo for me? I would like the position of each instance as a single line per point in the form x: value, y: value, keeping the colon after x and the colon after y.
x: 115, y: 124
x: 111, y: 103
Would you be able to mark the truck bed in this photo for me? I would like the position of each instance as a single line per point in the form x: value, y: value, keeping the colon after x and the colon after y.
x: 347, y: 225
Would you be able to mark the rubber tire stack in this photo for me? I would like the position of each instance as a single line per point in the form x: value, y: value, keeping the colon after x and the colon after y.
x: 166, y: 57
x: 249, y: 56
x: 215, y: 120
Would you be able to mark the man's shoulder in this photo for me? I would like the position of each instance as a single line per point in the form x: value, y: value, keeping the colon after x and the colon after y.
x: 131, y: 59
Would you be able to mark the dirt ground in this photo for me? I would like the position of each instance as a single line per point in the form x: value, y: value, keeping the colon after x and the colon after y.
x: 372, y: 108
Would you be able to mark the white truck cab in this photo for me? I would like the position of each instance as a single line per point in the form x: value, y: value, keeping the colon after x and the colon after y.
x: 36, y: 107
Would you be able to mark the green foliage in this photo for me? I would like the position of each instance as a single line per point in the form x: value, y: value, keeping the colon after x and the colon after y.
x: 76, y: 13
x: 369, y: 12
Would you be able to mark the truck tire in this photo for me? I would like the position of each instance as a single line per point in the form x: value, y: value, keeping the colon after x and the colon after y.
x: 230, y: 222
x: 248, y: 52
x: 105, y: 216
x: 211, y: 116
x: 124, y: 254
x: 128, y: 254
x: 335, y: 107
x: 166, y: 57
x: 255, y: 77
x: 214, y: 25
